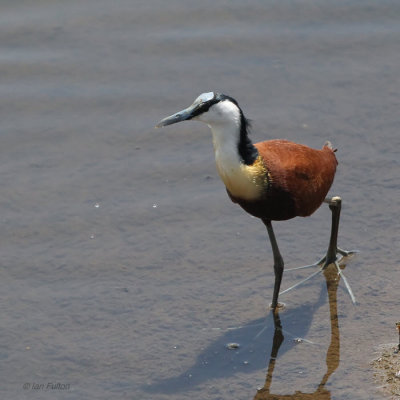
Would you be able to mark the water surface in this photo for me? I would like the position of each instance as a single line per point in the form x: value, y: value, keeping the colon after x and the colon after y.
x: 124, y: 264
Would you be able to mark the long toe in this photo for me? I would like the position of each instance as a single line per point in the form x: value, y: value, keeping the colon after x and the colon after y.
x: 342, y: 258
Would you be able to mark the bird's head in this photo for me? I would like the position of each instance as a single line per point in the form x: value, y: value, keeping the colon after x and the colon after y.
x: 226, y: 120
x: 211, y: 108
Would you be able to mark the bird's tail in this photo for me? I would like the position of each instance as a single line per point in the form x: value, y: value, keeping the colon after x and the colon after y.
x: 329, y: 145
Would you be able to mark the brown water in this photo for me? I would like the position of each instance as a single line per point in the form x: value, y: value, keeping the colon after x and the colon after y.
x: 124, y: 264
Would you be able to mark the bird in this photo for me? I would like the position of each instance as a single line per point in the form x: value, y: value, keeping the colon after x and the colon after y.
x: 273, y: 180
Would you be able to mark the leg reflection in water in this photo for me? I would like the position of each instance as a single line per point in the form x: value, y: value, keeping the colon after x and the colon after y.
x: 332, y: 357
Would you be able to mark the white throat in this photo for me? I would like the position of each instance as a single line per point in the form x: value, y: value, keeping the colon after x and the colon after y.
x: 236, y: 175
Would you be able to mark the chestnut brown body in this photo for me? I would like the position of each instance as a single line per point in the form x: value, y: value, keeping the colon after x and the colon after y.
x: 298, y: 179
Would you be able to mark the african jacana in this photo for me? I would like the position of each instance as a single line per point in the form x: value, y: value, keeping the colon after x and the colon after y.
x: 273, y: 180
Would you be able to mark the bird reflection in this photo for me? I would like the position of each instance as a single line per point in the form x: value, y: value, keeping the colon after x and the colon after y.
x: 332, y: 357
x: 217, y: 362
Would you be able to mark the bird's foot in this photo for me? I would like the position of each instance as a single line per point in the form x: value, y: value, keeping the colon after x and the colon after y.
x: 279, y: 307
x: 347, y: 255
x: 339, y: 258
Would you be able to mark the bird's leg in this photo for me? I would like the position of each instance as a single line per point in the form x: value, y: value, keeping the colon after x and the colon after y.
x: 278, y: 264
x: 335, y: 205
x: 331, y: 257
x: 264, y: 393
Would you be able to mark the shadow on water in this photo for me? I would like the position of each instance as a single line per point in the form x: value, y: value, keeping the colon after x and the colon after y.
x: 255, y: 339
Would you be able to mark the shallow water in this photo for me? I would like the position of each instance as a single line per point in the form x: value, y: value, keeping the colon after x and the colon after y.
x: 125, y: 268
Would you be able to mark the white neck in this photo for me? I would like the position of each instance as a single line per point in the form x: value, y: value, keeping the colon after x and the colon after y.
x: 237, y: 176
x: 224, y: 119
x: 225, y: 141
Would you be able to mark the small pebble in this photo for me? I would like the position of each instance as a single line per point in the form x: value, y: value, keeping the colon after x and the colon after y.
x: 232, y: 346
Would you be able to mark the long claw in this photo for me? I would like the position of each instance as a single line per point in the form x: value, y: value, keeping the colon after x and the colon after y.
x: 301, y: 282
x: 346, y: 253
x: 334, y: 254
x: 316, y: 264
x: 340, y: 272
x: 321, y: 264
